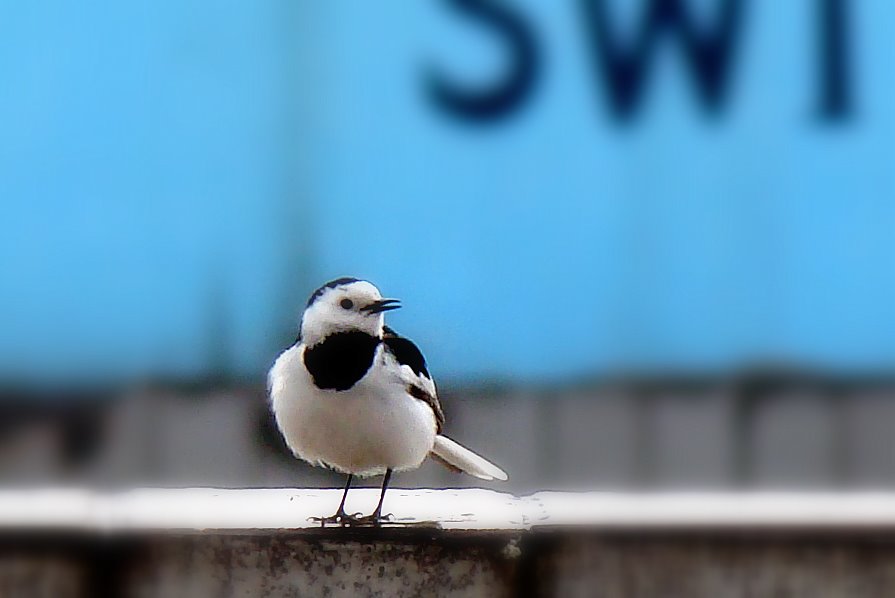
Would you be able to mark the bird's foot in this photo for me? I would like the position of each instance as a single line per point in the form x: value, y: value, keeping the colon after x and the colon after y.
x: 375, y: 519
x: 339, y: 518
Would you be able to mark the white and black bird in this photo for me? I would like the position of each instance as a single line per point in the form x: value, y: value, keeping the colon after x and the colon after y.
x: 354, y: 396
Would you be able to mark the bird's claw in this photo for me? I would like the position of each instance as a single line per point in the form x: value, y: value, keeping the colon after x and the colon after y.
x: 340, y: 518
x: 354, y: 520
x: 375, y: 519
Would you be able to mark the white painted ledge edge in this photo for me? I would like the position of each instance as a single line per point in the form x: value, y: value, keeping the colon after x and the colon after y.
x: 223, y: 510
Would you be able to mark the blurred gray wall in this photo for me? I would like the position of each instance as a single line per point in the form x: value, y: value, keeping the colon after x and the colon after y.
x: 758, y: 432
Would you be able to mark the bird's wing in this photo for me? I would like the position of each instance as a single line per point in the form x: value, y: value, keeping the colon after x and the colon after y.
x: 414, y: 372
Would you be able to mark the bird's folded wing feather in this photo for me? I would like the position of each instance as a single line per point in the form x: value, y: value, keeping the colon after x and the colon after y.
x: 421, y: 386
x: 414, y: 371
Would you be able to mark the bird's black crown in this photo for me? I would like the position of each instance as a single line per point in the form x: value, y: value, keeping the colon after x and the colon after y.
x: 330, y: 285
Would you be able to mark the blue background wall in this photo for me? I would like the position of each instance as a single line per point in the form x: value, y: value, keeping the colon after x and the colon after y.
x: 176, y: 177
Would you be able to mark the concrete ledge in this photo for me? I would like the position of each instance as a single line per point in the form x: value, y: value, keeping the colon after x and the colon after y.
x: 223, y: 510
x: 212, y: 509
x: 208, y: 542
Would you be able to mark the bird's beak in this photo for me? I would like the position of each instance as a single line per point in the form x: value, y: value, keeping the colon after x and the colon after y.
x: 377, y: 307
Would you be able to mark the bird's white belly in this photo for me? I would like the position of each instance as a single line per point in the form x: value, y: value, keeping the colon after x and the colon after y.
x: 372, y: 427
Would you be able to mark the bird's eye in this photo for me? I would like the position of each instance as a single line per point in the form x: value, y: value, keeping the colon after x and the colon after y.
x: 346, y: 303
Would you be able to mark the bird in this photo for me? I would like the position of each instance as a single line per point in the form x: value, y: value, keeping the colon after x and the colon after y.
x: 354, y: 396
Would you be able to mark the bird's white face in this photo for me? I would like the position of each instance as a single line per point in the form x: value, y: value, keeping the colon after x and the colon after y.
x: 356, y: 305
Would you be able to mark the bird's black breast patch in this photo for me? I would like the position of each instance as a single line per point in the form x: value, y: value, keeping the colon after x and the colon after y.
x: 340, y: 360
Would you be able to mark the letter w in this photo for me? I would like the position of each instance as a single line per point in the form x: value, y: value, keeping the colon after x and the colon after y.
x: 625, y: 67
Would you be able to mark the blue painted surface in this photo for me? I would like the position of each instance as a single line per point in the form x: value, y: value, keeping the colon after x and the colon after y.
x: 177, y: 176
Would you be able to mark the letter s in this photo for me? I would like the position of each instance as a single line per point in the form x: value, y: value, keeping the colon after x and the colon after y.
x: 513, y: 88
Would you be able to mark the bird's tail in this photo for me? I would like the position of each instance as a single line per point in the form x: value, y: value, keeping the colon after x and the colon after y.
x: 461, y: 458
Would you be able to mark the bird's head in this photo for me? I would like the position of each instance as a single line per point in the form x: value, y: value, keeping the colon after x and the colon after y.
x: 343, y: 305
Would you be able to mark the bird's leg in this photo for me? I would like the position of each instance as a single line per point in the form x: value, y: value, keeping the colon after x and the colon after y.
x: 375, y: 518
x: 340, y: 516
